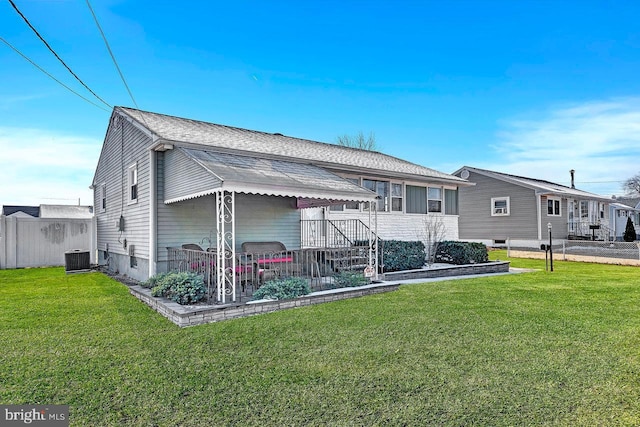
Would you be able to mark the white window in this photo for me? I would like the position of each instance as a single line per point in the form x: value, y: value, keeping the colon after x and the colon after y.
x: 553, y: 206
x: 382, y: 189
x: 396, y: 197
x: 500, y: 206
x: 133, y: 183
x: 434, y: 199
x: 103, y: 197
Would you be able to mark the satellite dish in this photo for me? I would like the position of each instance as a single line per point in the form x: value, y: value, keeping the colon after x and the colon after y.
x: 464, y: 174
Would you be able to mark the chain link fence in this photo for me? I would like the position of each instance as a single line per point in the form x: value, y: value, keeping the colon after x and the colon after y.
x: 583, y: 250
x: 622, y: 250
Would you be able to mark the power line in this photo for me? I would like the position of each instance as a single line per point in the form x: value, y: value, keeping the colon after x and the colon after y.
x: 112, y: 55
x: 52, y: 77
x: 55, y: 54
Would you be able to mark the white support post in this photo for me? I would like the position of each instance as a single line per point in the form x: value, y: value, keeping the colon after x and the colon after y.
x: 226, y: 246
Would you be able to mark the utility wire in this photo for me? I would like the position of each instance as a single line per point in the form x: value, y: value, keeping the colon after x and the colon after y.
x: 55, y: 54
x: 112, y: 55
x: 52, y: 77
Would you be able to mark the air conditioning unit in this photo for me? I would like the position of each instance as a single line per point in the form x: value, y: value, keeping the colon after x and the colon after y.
x: 77, y: 261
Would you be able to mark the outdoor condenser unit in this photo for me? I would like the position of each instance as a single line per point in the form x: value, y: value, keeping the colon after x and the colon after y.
x: 77, y: 261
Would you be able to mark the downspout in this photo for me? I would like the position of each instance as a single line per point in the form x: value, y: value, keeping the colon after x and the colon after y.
x: 539, y: 214
x: 153, y: 231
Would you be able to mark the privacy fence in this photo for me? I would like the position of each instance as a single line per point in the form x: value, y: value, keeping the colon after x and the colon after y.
x: 41, y: 242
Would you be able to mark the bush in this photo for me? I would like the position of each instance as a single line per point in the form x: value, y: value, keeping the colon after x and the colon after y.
x: 398, y: 255
x: 349, y: 279
x: 629, y: 231
x: 461, y: 253
x: 154, y: 281
x: 279, y: 289
x: 183, y: 288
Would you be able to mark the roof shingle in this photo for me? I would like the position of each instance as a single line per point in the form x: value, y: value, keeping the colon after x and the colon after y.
x: 223, y: 137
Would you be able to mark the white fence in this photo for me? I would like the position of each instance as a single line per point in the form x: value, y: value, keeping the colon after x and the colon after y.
x: 41, y: 242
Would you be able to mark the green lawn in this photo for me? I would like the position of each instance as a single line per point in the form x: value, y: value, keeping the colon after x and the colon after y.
x: 540, y: 348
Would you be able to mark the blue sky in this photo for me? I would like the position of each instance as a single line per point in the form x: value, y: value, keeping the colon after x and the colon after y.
x: 529, y: 88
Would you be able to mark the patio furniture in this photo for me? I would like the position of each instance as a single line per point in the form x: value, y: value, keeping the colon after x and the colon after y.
x: 192, y: 246
x: 271, y: 259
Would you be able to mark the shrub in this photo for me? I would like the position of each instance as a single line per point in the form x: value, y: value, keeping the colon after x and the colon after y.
x: 279, y: 289
x: 629, y: 231
x: 398, y: 255
x: 461, y: 252
x: 348, y: 279
x: 183, y: 288
x: 154, y: 281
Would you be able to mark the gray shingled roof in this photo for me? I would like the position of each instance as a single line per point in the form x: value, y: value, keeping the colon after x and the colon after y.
x: 537, y: 184
x: 212, y: 135
x: 33, y: 211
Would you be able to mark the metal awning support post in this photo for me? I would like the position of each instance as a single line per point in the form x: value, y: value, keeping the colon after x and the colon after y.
x: 373, y: 246
x: 226, y: 246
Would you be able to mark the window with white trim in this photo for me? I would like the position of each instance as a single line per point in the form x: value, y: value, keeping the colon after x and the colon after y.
x: 382, y: 189
x: 500, y: 206
x: 396, y: 197
x: 133, y: 183
x: 553, y: 206
x: 434, y: 199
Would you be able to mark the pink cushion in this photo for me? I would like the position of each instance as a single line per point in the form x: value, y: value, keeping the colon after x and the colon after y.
x: 275, y: 260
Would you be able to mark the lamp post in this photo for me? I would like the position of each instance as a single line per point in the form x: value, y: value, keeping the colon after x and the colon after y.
x: 550, y: 248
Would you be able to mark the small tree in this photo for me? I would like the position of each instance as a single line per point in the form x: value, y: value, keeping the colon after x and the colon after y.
x: 433, y: 232
x: 358, y: 141
x: 632, y: 185
x: 629, y: 231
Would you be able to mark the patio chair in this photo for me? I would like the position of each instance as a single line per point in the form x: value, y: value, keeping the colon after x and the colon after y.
x: 193, y: 247
x: 270, y: 259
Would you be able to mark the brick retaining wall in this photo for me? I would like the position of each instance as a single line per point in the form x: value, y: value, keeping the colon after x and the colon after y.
x: 448, y: 271
x: 185, y: 315
x: 196, y: 315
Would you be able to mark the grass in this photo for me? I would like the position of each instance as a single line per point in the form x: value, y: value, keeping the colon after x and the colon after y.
x: 540, y: 348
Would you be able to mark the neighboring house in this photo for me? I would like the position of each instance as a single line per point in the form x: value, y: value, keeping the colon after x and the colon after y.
x: 66, y: 211
x: 620, y: 209
x: 503, y: 208
x: 21, y: 211
x: 633, y: 202
x: 162, y: 182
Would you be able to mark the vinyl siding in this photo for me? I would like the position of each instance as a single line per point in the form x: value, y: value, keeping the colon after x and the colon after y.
x: 186, y: 176
x: 559, y: 224
x: 257, y: 218
x: 267, y: 218
x: 476, y: 222
x: 124, y: 145
x: 400, y: 226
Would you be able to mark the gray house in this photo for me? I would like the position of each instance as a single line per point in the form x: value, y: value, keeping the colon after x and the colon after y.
x: 620, y: 209
x: 171, y: 192
x: 502, y: 207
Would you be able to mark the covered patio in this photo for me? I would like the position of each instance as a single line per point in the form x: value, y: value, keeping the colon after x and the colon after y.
x: 247, y: 247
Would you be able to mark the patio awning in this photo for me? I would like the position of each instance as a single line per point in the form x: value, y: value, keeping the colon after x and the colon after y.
x: 309, y: 184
